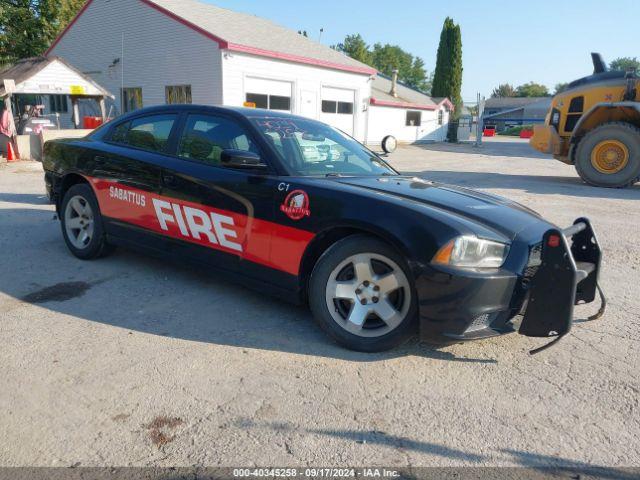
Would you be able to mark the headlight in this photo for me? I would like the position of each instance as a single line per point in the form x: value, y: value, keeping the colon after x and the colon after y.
x: 472, y: 252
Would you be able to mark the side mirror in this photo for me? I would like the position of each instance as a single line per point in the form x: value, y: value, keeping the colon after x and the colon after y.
x: 241, y: 159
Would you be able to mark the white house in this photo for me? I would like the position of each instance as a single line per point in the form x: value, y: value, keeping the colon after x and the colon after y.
x: 154, y: 52
x: 407, y: 114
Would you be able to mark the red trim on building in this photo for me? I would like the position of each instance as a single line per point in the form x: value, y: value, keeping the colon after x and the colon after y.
x: 234, y: 47
x: 413, y: 106
x: 223, y: 44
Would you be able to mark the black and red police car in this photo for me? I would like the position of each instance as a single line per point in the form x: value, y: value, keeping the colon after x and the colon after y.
x: 297, y: 209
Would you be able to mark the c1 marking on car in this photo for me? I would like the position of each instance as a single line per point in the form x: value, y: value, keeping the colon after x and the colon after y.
x: 296, y: 205
x: 195, y: 223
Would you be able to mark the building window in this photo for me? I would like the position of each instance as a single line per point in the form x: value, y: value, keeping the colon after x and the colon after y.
x: 279, y: 103
x: 329, y: 106
x: 342, y: 108
x: 58, y: 103
x: 177, y: 94
x: 269, y: 102
x: 131, y: 99
x: 345, y: 108
x: 414, y: 119
x: 440, y: 117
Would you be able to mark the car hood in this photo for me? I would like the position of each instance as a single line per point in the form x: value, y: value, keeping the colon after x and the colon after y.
x: 497, y: 213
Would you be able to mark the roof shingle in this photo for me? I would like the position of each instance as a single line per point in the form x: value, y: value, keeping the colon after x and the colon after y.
x: 251, y: 34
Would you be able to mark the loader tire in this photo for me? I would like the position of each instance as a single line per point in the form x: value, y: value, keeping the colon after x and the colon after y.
x: 609, y: 155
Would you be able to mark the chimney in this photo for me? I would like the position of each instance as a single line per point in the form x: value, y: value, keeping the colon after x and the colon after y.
x: 394, y: 84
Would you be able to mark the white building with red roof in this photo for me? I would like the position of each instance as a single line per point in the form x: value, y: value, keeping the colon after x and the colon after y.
x: 153, y: 52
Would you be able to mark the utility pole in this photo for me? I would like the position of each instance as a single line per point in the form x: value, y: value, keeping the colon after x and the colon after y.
x: 479, y: 121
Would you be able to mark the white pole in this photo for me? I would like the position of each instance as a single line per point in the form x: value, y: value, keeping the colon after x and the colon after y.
x: 122, y: 78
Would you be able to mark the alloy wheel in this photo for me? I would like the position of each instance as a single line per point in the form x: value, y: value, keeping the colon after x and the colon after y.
x: 79, y: 222
x: 368, y: 295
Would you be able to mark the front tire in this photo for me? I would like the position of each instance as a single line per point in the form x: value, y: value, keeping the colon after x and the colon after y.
x: 609, y: 155
x: 81, y: 223
x: 361, y: 293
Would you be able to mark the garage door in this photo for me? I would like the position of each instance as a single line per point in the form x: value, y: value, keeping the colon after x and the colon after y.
x: 338, y: 107
x: 268, y: 94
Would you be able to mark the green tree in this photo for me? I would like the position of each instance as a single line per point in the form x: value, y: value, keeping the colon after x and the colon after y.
x: 532, y: 89
x: 28, y: 27
x: 417, y: 76
x: 387, y: 58
x: 560, y: 87
x: 503, y: 90
x: 625, y: 63
x: 447, y: 79
x: 355, y: 47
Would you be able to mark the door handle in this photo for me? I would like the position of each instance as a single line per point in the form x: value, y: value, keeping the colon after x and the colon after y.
x: 169, y: 180
x: 100, y: 159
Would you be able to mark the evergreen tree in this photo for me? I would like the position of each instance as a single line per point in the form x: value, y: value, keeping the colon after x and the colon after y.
x: 447, y: 80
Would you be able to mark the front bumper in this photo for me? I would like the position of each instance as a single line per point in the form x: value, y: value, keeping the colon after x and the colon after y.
x: 561, y: 271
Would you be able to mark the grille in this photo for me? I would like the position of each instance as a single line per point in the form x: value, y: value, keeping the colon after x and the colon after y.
x: 480, y: 322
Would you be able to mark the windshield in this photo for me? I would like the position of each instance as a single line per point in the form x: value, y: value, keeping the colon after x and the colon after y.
x: 312, y: 148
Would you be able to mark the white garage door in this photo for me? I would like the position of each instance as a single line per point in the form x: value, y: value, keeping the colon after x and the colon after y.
x: 338, y: 107
x: 268, y: 94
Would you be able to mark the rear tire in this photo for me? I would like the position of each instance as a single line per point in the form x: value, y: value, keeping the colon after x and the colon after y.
x: 81, y: 224
x: 609, y: 155
x: 362, y: 294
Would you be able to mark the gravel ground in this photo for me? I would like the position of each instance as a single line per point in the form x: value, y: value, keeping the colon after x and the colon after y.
x: 133, y: 361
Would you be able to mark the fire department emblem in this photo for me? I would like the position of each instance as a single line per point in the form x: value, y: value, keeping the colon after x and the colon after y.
x: 296, y: 205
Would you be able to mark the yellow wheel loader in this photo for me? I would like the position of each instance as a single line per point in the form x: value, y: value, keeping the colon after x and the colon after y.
x: 595, y: 125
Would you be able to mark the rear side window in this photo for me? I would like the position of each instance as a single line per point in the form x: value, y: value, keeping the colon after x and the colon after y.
x: 147, y: 133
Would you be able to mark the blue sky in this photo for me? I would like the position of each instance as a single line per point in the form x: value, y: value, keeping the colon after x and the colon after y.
x: 542, y: 40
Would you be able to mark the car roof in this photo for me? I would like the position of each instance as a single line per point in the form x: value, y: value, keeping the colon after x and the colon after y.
x: 237, y: 111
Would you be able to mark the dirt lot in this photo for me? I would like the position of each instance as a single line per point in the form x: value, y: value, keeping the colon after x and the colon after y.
x: 133, y: 361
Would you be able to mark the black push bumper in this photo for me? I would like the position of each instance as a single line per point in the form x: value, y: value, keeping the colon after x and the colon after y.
x: 567, y: 276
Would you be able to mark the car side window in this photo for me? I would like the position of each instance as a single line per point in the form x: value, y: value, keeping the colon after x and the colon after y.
x: 206, y: 136
x: 147, y: 133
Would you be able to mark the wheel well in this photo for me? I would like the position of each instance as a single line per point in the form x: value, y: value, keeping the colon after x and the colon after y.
x: 67, y: 182
x: 321, y: 244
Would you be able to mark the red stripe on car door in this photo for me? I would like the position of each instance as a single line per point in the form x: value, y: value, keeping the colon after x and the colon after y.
x: 266, y: 243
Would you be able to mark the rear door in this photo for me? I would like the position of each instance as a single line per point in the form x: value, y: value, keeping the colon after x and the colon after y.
x: 219, y: 215
x: 126, y: 173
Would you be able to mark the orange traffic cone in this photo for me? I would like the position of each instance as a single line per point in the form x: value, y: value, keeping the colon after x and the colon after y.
x: 11, y: 157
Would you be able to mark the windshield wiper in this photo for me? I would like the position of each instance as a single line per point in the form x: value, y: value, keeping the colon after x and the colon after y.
x: 328, y: 175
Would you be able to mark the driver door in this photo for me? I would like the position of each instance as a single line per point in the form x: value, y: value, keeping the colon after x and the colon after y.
x: 220, y: 216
